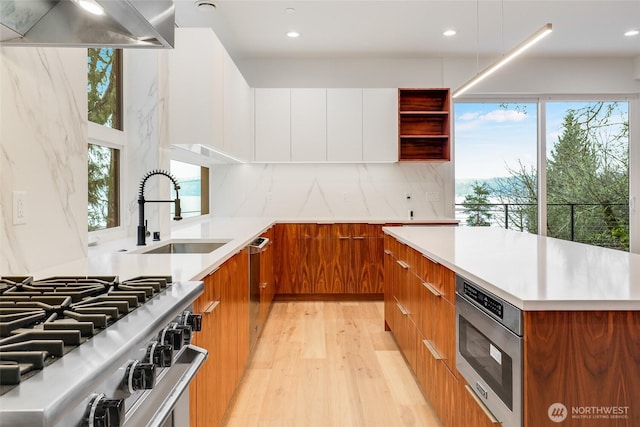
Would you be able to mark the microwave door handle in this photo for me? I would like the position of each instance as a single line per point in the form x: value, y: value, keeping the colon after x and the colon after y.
x: 481, y: 404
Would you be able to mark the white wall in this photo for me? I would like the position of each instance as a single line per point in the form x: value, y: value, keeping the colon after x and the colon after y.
x: 302, y: 190
x: 524, y: 75
x: 148, y: 145
x: 43, y: 140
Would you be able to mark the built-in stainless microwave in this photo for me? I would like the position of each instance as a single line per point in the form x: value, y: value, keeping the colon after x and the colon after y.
x: 489, y: 350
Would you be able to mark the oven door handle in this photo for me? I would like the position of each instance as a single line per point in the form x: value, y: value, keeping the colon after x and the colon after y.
x: 179, y: 377
x: 182, y: 385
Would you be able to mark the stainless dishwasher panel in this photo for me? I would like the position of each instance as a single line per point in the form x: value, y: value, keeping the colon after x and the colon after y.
x: 255, y: 249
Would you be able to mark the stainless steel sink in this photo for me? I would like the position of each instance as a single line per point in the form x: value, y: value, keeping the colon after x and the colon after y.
x: 184, y: 247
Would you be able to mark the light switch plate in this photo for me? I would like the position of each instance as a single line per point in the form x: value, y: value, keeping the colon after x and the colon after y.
x: 19, y: 207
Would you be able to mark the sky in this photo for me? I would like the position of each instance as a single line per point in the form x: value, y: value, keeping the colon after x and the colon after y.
x: 490, y: 137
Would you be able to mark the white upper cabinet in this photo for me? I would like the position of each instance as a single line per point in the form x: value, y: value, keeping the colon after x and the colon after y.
x: 272, y: 125
x: 196, y: 88
x: 308, y: 124
x: 238, y: 112
x: 344, y: 125
x: 380, y: 125
x: 326, y: 125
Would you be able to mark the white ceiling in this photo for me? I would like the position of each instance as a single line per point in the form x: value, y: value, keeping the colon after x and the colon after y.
x: 413, y: 29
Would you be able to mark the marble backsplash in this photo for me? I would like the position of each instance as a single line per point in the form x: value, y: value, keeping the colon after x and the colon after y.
x: 332, y: 190
x: 43, y: 143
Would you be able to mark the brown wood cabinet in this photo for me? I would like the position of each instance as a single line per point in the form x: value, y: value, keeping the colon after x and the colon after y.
x: 225, y: 335
x: 584, y: 360
x: 287, y: 257
x: 330, y: 258
x: 420, y: 312
x: 423, y: 124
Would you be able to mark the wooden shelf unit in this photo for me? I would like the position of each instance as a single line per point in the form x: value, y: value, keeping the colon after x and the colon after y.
x: 423, y: 124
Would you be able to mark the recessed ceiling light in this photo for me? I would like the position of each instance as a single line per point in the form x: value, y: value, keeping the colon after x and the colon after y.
x: 290, y: 10
x: 632, y: 33
x: 293, y: 34
x: 449, y: 33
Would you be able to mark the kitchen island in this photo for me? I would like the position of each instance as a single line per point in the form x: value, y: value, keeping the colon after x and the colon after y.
x: 580, y: 314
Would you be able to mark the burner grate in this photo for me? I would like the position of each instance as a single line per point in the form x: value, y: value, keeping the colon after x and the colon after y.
x: 42, y: 320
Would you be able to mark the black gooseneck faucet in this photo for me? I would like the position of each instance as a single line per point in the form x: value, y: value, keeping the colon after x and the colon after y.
x: 142, y: 228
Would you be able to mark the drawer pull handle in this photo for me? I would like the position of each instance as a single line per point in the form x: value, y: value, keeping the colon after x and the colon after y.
x: 402, y: 309
x: 431, y: 289
x: 358, y: 237
x: 480, y: 403
x: 388, y: 252
x: 211, y: 307
x: 263, y: 285
x: 432, y: 349
x: 344, y: 237
x: 403, y: 264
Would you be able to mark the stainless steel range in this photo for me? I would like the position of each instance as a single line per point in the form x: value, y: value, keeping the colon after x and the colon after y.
x: 94, y: 351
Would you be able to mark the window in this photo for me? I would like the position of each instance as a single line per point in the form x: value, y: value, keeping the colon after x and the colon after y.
x: 587, y: 173
x: 496, y: 178
x: 194, y: 188
x: 583, y: 168
x: 104, y: 90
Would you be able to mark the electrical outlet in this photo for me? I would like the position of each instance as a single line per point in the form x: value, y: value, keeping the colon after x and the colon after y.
x: 345, y: 197
x: 269, y: 196
x: 407, y: 195
x: 433, y: 196
x: 19, y: 207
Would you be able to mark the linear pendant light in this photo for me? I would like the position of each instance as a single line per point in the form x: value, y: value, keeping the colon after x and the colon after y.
x: 526, y: 44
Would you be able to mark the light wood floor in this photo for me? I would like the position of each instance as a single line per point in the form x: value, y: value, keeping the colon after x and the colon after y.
x: 328, y: 364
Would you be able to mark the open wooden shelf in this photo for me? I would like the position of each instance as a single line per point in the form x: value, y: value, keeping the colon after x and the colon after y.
x: 423, y: 124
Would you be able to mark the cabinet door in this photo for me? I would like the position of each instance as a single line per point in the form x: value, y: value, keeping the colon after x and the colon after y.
x: 308, y: 124
x: 340, y: 259
x: 286, y: 257
x: 344, y: 125
x: 196, y: 91
x: 389, y: 299
x: 272, y: 125
x: 238, y: 112
x: 315, y: 265
x: 380, y: 125
x: 367, y: 258
x: 205, y: 404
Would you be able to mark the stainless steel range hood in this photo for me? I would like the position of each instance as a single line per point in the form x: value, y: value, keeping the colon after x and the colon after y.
x: 124, y: 23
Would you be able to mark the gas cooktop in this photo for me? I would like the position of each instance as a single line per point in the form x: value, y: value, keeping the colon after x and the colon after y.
x: 42, y: 320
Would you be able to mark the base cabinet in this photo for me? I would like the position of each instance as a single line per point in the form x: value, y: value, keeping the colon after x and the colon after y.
x: 225, y: 335
x: 325, y: 259
x: 420, y: 312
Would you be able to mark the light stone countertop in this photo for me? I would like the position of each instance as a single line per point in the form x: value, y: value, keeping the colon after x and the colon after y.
x: 114, y: 257
x: 107, y: 258
x: 529, y: 271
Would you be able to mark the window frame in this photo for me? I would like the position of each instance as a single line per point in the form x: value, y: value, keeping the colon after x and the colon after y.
x: 185, y: 156
x: 115, y: 138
